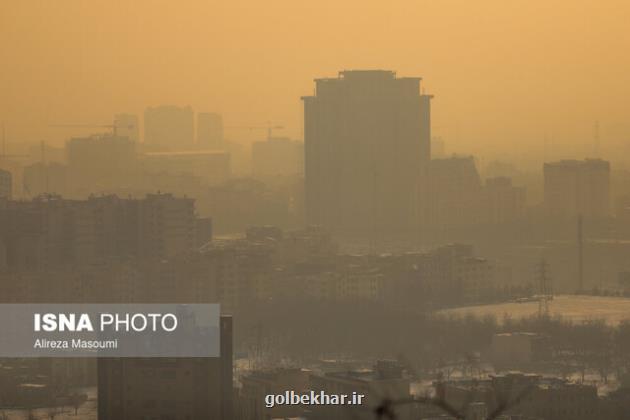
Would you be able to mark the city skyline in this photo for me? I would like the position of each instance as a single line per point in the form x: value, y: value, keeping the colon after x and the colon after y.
x: 403, y: 210
x: 540, y: 86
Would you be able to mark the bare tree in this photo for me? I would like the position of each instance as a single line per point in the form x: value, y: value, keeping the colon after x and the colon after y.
x: 53, y: 412
x: 77, y: 400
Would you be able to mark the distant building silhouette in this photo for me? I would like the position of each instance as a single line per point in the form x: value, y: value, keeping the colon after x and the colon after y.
x: 6, y: 184
x: 45, y: 178
x: 167, y: 226
x: 574, y: 187
x: 210, y: 131
x: 457, y: 197
x: 239, y: 203
x: 51, y: 231
x: 453, y: 192
x: 502, y: 202
x: 211, y: 166
x: 278, y: 156
x: 100, y: 162
x: 169, y: 127
x: 367, y: 145
x: 126, y: 125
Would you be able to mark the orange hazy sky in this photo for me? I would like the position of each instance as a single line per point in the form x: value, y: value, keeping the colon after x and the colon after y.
x: 504, y: 73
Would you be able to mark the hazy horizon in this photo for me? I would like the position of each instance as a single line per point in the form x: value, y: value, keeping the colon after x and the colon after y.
x: 438, y: 226
x: 505, y: 75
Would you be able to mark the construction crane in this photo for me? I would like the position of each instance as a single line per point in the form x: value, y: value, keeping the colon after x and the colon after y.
x: 269, y: 127
x: 113, y: 127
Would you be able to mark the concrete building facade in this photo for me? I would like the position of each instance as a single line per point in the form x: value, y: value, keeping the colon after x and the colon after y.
x: 210, y: 131
x: 574, y: 187
x: 173, y: 388
x: 367, y: 143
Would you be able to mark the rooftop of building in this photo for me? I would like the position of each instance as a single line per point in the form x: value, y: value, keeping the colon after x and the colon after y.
x: 99, y: 138
x: 383, y: 370
x: 277, y: 140
x: 512, y: 378
x: 274, y: 374
x: 186, y: 153
x: 169, y: 108
x: 517, y: 334
x: 367, y: 76
x: 349, y: 74
x: 575, y: 163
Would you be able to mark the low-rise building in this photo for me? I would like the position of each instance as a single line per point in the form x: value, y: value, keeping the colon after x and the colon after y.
x: 174, y: 388
x: 257, y: 385
x: 528, y: 395
x: 386, y: 381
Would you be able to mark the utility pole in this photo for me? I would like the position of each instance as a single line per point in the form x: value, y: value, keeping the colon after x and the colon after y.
x: 580, y: 255
x: 44, y: 167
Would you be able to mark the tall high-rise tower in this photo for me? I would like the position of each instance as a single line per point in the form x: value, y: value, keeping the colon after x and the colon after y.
x: 210, y: 131
x: 367, y: 138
